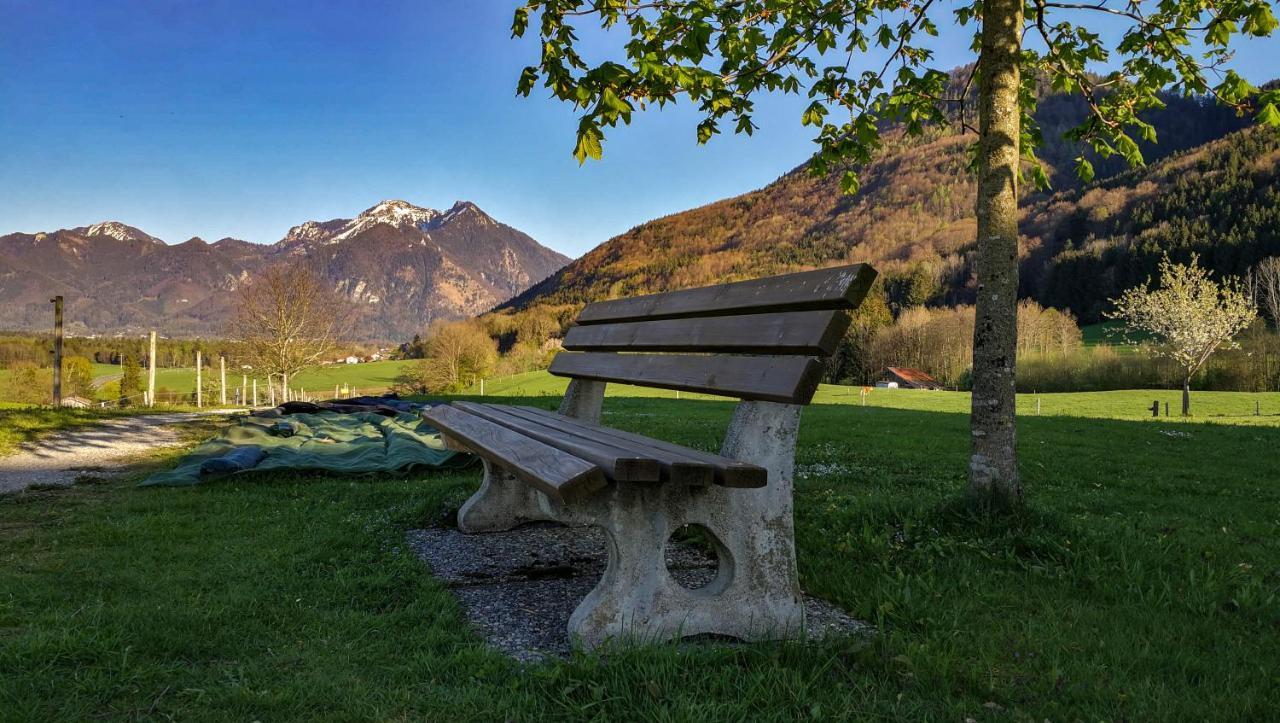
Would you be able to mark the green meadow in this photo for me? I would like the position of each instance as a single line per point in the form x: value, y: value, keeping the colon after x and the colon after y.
x: 1141, y: 583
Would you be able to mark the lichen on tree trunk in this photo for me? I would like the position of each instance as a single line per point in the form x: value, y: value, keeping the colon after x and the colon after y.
x: 993, y: 461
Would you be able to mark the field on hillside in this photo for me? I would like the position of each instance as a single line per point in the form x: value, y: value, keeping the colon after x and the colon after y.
x: 1142, y: 584
x: 367, y: 377
x: 99, y: 370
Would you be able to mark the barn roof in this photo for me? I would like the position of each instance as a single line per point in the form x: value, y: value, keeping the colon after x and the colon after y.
x: 914, y: 376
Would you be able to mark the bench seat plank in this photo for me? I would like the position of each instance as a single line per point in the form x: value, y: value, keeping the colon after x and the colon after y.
x: 618, y: 462
x: 842, y: 287
x: 786, y: 379
x: 728, y: 472
x: 554, y: 472
x: 677, y: 468
x: 793, y: 332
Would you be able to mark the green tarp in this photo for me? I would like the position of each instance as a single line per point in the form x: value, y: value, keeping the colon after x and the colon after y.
x: 357, y: 443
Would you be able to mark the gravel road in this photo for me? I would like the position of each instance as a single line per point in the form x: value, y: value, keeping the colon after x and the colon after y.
x: 61, y: 457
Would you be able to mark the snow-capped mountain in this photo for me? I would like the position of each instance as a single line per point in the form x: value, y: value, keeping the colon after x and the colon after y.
x: 402, y: 266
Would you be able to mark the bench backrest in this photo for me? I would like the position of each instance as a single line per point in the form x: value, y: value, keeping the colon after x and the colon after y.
x: 761, y: 339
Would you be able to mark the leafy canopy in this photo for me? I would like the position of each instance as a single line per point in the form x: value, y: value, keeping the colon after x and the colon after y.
x: 721, y: 53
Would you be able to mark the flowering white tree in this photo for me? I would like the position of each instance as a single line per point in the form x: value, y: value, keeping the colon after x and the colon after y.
x: 1190, y: 315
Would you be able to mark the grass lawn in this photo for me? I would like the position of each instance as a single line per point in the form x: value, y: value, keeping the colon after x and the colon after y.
x: 1142, y: 584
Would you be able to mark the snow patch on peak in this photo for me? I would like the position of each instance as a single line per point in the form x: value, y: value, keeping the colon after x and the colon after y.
x: 309, y: 231
x: 116, y: 230
x: 395, y: 210
x: 400, y: 214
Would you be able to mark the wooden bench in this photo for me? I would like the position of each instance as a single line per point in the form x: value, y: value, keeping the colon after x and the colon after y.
x: 760, y: 341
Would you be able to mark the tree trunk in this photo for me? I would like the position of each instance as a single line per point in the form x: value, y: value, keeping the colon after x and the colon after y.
x: 1186, y: 396
x: 993, y: 460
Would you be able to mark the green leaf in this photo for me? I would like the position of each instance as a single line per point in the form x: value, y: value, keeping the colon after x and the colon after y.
x: 520, y: 22
x: 814, y: 114
x: 885, y: 36
x: 1261, y: 22
x: 1084, y: 169
x: 528, y: 78
x: 706, y: 129
x: 1269, y: 115
x: 849, y: 183
x: 589, y: 138
x: 1040, y: 177
x: 1219, y: 32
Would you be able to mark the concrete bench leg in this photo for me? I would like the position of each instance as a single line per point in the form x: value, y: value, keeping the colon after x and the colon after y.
x: 503, y: 502
x: 756, y: 593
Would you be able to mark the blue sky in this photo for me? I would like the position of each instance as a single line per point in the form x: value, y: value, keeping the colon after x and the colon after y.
x: 230, y: 118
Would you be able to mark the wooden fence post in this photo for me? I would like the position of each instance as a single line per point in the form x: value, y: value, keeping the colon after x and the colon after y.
x: 222, y: 385
x: 151, y: 373
x: 199, y: 381
x: 57, y: 350
x: 255, y: 392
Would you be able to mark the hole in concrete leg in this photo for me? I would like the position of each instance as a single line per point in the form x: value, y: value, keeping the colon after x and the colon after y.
x: 696, y: 559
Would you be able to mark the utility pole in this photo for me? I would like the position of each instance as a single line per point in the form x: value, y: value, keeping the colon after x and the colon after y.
x: 199, y: 381
x: 151, y: 373
x: 222, y: 385
x: 57, y: 350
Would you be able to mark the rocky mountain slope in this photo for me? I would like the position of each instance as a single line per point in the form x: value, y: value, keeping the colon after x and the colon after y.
x: 401, y: 266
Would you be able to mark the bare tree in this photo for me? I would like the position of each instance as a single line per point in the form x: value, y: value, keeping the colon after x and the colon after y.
x: 457, y: 355
x: 1190, y: 314
x: 1265, y: 282
x: 288, y: 319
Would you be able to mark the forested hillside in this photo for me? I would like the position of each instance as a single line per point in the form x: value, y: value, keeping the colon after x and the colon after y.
x: 913, y: 220
x: 1220, y: 201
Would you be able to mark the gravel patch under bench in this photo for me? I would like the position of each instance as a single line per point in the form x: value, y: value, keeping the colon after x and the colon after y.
x: 519, y: 588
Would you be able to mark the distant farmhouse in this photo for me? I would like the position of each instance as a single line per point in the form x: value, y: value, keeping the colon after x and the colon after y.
x: 906, y: 378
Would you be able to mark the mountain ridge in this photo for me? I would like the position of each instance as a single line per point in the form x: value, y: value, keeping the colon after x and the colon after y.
x: 401, y: 265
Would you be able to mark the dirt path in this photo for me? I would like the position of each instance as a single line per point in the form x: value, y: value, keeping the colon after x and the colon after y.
x: 57, y: 459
